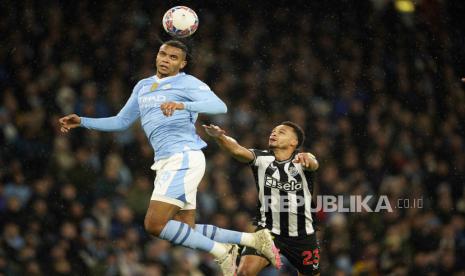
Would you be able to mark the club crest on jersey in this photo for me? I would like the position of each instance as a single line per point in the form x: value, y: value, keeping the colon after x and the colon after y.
x: 154, y: 86
x: 293, y: 171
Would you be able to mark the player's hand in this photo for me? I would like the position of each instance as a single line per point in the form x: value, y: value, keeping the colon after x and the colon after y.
x: 213, y: 131
x: 307, y: 160
x: 69, y: 122
x: 168, y: 108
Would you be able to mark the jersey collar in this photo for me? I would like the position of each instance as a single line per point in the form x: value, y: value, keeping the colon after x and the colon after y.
x: 284, y: 161
x: 167, y: 78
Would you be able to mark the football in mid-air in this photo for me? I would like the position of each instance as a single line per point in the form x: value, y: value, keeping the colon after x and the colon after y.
x: 180, y: 21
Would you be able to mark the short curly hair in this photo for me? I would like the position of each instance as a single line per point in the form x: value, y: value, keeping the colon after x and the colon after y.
x: 298, y: 132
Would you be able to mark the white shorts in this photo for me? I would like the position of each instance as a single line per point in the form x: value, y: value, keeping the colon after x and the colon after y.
x: 178, y: 177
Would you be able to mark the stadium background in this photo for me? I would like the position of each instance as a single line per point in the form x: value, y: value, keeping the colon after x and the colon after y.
x: 377, y: 90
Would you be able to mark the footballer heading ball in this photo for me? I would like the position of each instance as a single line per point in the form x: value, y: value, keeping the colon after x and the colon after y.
x: 180, y: 21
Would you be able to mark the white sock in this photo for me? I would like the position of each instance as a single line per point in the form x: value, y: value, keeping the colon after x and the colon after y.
x: 219, y: 250
x: 248, y: 239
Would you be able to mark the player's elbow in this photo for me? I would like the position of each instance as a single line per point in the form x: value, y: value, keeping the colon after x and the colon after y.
x: 122, y: 127
x: 247, y: 270
x: 124, y: 123
x: 222, y: 108
x: 218, y: 107
x: 125, y: 126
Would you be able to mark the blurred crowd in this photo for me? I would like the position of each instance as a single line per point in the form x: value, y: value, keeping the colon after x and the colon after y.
x: 377, y: 91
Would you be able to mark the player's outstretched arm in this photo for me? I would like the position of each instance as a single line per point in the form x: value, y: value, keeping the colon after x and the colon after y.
x: 229, y: 144
x: 307, y: 160
x: 127, y: 115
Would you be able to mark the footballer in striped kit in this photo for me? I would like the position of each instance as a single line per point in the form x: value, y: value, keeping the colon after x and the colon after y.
x: 283, y: 177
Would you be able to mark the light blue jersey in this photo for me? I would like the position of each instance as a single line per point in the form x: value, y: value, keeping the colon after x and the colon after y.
x: 167, y: 135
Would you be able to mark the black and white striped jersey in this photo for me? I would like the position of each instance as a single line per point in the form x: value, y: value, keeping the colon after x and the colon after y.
x: 285, y: 195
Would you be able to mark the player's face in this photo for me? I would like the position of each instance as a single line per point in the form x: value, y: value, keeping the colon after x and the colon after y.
x: 282, y: 137
x: 169, y: 61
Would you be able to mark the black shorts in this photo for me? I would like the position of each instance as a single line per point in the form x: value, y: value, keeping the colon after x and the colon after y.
x: 302, y: 252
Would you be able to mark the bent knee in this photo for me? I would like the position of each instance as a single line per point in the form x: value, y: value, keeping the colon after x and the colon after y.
x: 245, y: 273
x: 245, y: 270
x: 154, y: 227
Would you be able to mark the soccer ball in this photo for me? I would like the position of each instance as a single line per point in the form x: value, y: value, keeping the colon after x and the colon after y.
x: 180, y: 21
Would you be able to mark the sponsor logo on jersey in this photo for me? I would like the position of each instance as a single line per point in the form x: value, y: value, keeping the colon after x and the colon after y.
x: 283, y: 186
x: 151, y: 101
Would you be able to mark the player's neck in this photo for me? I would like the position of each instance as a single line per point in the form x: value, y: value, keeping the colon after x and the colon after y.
x: 282, y: 154
x: 162, y: 76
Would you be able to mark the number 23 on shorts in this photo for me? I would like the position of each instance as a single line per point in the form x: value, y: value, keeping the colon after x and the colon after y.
x: 311, y: 257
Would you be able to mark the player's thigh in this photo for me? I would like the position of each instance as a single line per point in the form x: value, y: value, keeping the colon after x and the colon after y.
x: 159, y: 213
x: 251, y: 265
x: 178, y: 178
x: 193, y: 178
x: 186, y: 216
x: 302, y: 252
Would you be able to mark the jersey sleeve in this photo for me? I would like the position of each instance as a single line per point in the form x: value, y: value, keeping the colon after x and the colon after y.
x: 257, y: 153
x: 126, y: 117
x: 203, y: 99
